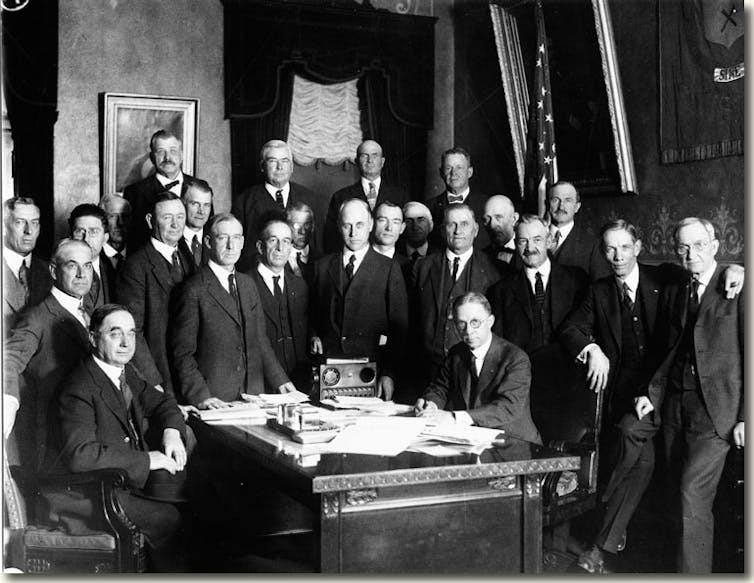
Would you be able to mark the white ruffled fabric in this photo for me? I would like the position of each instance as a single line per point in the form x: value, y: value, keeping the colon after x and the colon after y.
x: 325, y: 122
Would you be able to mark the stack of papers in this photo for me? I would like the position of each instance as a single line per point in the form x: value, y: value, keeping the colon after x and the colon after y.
x: 275, y: 399
x: 373, y: 405
x: 238, y: 410
x: 461, y: 434
x: 377, y: 435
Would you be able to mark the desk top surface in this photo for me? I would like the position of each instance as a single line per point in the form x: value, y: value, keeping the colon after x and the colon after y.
x: 329, y: 472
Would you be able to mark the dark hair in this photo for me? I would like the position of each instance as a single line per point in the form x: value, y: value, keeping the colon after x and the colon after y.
x: 163, y: 135
x: 455, y: 150
x: 528, y: 219
x: 262, y: 237
x: 389, y: 204
x: 619, y: 225
x: 165, y: 196
x: 12, y: 203
x: 216, y: 219
x: 457, y: 206
x: 472, y: 298
x: 199, y: 184
x: 99, y: 315
x: 87, y: 210
x: 563, y: 183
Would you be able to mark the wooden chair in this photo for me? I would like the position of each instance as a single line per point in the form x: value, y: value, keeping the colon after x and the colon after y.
x: 117, y: 548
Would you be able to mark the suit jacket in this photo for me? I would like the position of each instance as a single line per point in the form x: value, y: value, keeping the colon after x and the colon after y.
x: 374, y: 304
x: 144, y: 285
x: 45, y: 345
x: 387, y: 192
x: 475, y: 200
x: 105, y: 293
x: 582, y: 249
x: 254, y: 206
x: 513, y: 265
x: 13, y: 292
x: 307, y: 270
x: 216, y: 354
x: 410, y: 267
x: 511, y: 305
x: 93, y: 421
x: 142, y: 195
x: 501, y: 399
x: 429, y: 307
x: 297, y: 294
x: 718, y: 344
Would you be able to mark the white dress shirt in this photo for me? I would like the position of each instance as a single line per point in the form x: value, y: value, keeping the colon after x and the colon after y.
x: 293, y: 259
x: 165, y: 180
x: 544, y: 269
x: 267, y: 275
x: 464, y: 259
x: 189, y: 234
x: 222, y: 274
x: 365, y: 185
x: 704, y: 279
x: 14, y: 260
x: 359, y: 257
x: 164, y: 249
x: 463, y: 193
x: 112, y: 371
x: 631, y: 281
x: 565, y: 230
x: 272, y: 190
x: 389, y: 253
x: 70, y: 304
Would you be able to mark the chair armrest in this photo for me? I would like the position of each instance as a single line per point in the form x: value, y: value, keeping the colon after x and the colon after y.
x: 112, y: 476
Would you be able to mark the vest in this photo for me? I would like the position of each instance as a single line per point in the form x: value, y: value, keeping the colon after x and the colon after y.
x: 541, y: 329
x: 683, y: 375
x: 633, y: 351
x: 446, y: 335
x: 283, y: 344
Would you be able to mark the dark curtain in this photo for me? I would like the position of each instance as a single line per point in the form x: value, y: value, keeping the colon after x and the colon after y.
x: 30, y: 46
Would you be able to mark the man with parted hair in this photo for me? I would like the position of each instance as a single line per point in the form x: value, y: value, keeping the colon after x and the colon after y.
x: 270, y: 200
x: 88, y: 223
x: 197, y: 199
x: 166, y: 153
x: 300, y: 218
x: 217, y: 337
x: 118, y: 212
x: 371, y: 188
x: 456, y: 171
x: 26, y: 276
x: 484, y: 380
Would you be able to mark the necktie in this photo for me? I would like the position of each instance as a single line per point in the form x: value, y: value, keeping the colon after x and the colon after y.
x: 349, y: 269
x: 539, y: 290
x: 23, y: 277
x: 414, y: 256
x: 454, y: 271
x: 627, y: 301
x: 94, y: 292
x: 279, y: 199
x: 276, y: 285
x: 234, y: 290
x: 176, y: 268
x: 694, y: 296
x: 170, y: 185
x: 128, y: 396
x: 558, y: 236
x: 116, y: 260
x: 372, y: 195
x: 84, y: 315
x: 196, y: 250
x: 454, y: 198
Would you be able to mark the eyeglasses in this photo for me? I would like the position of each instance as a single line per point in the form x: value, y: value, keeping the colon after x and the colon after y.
x: 473, y: 324
x: 697, y: 246
x: 91, y: 231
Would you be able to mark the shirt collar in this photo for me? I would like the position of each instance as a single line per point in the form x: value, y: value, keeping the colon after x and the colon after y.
x: 422, y: 249
x: 365, y: 184
x: 464, y: 256
x: 70, y: 303
x: 706, y: 277
x: 165, y: 180
x: 481, y: 352
x: 14, y: 260
x: 359, y: 254
x: 511, y: 244
x: 389, y: 253
x: 267, y: 274
x: 565, y: 230
x: 189, y: 234
x: 631, y: 280
x: 111, y: 251
x: 273, y: 189
x: 164, y: 249
x: 112, y: 371
x: 221, y: 273
x: 463, y: 193
x: 304, y: 254
x: 544, y: 269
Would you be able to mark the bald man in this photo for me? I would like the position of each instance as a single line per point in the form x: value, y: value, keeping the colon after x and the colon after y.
x: 371, y: 188
x: 500, y: 217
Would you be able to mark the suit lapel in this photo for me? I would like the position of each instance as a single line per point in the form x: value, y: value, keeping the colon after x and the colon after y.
x: 708, y: 297
x: 521, y: 293
x: 489, y: 367
x: 607, y: 299
x: 160, y: 268
x: 362, y: 277
x: 269, y: 305
x: 649, y: 292
x: 73, y: 327
x: 13, y: 290
x: 436, y: 277
x: 110, y: 394
x: 217, y: 292
x: 333, y: 272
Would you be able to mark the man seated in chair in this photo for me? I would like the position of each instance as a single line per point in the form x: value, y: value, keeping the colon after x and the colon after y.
x: 105, y: 408
x: 485, y: 380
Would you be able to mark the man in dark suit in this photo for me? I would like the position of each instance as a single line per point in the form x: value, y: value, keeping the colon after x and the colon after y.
x: 270, y: 200
x: 217, y: 333
x: 500, y: 217
x: 48, y: 341
x: 358, y: 299
x: 118, y: 212
x: 522, y: 315
x: 26, y: 276
x: 104, y: 408
x: 442, y: 277
x: 197, y: 199
x: 388, y: 226
x: 456, y: 170
x: 285, y: 302
x: 146, y: 282
x: 166, y: 153
x: 573, y: 245
x: 371, y: 188
x: 88, y: 223
x: 304, y: 254
x: 484, y: 380
x: 699, y: 385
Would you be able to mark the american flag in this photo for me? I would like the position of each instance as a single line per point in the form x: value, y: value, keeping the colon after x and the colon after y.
x: 542, y: 163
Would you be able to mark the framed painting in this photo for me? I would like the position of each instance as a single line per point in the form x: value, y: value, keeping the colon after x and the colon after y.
x: 591, y: 130
x: 128, y: 122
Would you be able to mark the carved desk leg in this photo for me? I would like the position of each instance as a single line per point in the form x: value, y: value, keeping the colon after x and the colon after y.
x: 532, y: 527
x: 330, y: 533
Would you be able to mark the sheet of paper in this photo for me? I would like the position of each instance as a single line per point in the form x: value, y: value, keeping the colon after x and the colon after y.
x: 237, y: 410
x: 377, y: 435
x: 461, y: 434
x: 275, y: 399
x: 445, y: 450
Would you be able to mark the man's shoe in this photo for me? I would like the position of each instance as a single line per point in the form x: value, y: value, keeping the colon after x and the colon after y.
x: 621, y: 543
x: 593, y: 561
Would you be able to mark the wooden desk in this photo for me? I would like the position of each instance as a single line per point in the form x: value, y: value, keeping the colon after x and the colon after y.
x: 411, y: 512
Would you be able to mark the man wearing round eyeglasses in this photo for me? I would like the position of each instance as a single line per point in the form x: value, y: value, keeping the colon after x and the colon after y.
x: 699, y: 386
x: 484, y: 380
x: 88, y: 223
x: 216, y: 328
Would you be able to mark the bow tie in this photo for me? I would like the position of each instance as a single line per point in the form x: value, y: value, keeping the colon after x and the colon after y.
x: 170, y: 185
x: 454, y: 198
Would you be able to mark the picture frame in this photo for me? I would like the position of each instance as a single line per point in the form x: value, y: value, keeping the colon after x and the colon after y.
x: 128, y: 122
x: 610, y: 169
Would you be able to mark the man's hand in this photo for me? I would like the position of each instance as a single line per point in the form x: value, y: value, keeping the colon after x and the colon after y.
x: 734, y: 280
x: 738, y: 434
x: 643, y: 406
x: 385, y: 388
x: 159, y: 461
x: 598, y: 368
x: 213, y: 403
x: 424, y: 408
x: 288, y: 387
x: 173, y: 446
x: 316, y: 345
x: 186, y: 409
x: 159, y: 388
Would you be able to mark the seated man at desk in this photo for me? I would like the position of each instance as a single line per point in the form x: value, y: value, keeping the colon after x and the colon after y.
x: 484, y: 380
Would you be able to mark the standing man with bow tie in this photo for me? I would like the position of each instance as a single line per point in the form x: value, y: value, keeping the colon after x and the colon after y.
x: 26, y: 276
x: 371, y: 188
x: 270, y: 200
x: 456, y: 171
x: 166, y: 153
x: 88, y: 223
x: 118, y: 212
x: 300, y: 219
x: 198, y: 202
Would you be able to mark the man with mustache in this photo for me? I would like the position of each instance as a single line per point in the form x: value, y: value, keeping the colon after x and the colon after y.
x: 500, y: 217
x: 166, y: 153
x: 572, y: 244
